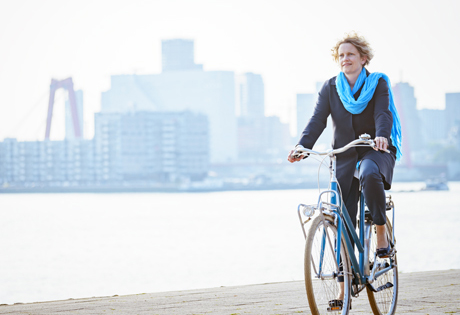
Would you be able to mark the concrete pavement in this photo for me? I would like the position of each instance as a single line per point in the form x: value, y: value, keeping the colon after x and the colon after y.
x: 434, y: 292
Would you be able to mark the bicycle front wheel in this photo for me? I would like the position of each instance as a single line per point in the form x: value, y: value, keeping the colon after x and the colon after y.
x: 384, y: 301
x: 322, y: 273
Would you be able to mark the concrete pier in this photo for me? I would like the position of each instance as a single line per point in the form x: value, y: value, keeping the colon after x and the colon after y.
x: 434, y: 292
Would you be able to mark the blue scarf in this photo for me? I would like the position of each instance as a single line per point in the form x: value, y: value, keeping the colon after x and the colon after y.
x: 356, y: 107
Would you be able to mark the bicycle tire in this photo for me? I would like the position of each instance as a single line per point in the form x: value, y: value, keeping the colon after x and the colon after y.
x: 385, y: 301
x: 320, y: 292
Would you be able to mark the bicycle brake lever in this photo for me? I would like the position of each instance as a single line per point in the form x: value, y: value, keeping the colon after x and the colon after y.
x: 374, y: 145
x: 385, y: 150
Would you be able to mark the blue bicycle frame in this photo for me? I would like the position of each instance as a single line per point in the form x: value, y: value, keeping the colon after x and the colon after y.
x: 345, y: 228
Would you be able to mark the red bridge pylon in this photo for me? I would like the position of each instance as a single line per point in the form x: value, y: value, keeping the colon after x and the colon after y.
x: 68, y: 85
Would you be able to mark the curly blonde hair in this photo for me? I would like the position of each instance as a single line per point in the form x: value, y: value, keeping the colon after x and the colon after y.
x: 361, y: 44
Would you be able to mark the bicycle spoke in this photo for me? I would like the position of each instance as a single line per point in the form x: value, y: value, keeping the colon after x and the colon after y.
x: 322, y: 250
x: 385, y: 300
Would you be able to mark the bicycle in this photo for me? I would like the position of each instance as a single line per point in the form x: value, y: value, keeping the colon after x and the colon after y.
x: 330, y: 253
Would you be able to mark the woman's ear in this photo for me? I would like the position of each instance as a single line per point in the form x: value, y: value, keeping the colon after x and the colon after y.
x: 363, y: 60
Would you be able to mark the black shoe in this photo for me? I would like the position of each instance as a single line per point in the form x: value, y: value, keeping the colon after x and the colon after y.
x: 385, y: 252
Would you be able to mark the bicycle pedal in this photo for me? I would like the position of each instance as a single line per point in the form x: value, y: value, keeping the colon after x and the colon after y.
x: 334, y: 308
x: 336, y: 305
x: 381, y: 288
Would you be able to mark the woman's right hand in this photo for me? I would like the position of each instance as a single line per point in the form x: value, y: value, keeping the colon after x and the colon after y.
x: 292, y: 158
x: 381, y: 143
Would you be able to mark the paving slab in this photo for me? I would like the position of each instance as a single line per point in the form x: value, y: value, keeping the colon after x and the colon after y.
x: 434, y: 292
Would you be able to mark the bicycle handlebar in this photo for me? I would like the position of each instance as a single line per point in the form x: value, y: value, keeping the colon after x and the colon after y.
x: 300, y: 151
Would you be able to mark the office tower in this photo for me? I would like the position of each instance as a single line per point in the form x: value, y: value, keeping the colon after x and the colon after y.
x: 259, y: 137
x: 69, y: 128
x: 262, y: 138
x: 252, y: 140
x: 304, y: 104
x: 433, y: 125
x: 406, y: 103
x: 178, y: 55
x: 251, y: 97
x: 208, y: 92
x: 278, y: 137
x: 453, y: 110
x: 325, y: 140
x: 305, y: 107
x: 252, y: 123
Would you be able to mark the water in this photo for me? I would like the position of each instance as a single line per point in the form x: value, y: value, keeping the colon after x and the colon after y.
x: 60, y: 246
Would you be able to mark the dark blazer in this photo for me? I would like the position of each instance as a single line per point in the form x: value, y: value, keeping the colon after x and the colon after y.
x: 376, y: 120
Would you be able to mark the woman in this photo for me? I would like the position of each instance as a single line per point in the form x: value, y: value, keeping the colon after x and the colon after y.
x: 359, y: 102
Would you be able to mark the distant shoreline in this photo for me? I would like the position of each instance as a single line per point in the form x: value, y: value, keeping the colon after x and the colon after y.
x: 170, y: 189
x: 15, y: 190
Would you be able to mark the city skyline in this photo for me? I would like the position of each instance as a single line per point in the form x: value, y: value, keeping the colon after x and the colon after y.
x: 91, y: 41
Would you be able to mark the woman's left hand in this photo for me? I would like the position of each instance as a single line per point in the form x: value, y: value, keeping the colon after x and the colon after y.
x: 381, y: 143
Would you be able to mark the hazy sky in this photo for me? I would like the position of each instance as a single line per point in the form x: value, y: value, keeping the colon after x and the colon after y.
x: 288, y: 42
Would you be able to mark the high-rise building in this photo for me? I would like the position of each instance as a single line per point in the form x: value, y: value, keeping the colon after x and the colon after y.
x: 304, y: 105
x: 252, y: 141
x: 453, y: 110
x: 406, y: 104
x: 305, y: 108
x: 259, y: 137
x: 69, y: 127
x: 251, y: 95
x: 178, y: 55
x: 278, y: 137
x: 208, y: 92
x: 434, y: 128
x: 262, y: 138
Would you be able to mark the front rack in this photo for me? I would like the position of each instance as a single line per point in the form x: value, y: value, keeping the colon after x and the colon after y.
x: 325, y: 208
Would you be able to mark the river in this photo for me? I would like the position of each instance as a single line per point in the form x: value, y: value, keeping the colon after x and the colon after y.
x: 60, y: 246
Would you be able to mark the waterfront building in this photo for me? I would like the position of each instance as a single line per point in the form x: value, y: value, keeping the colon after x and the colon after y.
x: 46, y: 163
x: 262, y: 138
x: 278, y: 137
x: 434, y: 125
x: 305, y: 103
x: 412, y: 140
x: 453, y: 110
x: 134, y: 147
x: 251, y: 95
x: 251, y: 138
x: 181, y: 87
x: 143, y: 146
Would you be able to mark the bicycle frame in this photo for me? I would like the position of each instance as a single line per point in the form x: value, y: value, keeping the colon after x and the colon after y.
x: 340, y: 212
x: 344, y: 229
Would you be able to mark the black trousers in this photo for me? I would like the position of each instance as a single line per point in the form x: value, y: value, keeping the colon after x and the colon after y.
x: 371, y: 181
x: 374, y: 194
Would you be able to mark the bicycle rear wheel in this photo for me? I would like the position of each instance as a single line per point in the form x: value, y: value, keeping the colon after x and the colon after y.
x: 321, y: 269
x: 383, y: 302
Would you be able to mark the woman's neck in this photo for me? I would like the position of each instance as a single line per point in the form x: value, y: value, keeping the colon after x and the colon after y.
x: 352, y: 78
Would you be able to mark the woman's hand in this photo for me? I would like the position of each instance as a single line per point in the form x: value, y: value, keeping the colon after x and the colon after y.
x: 291, y: 158
x: 381, y: 143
